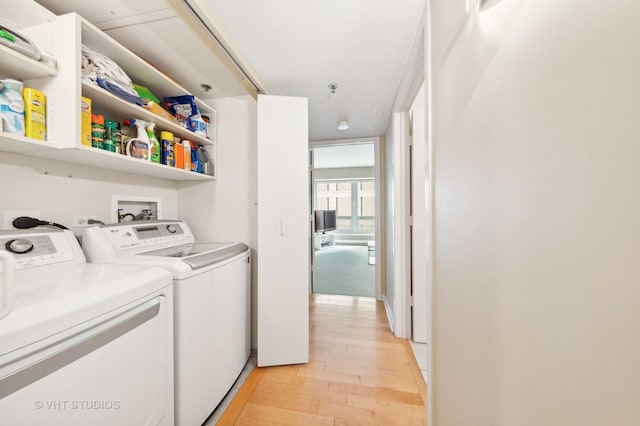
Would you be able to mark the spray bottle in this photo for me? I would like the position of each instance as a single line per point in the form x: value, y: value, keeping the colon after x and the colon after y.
x: 155, y: 143
x: 138, y: 147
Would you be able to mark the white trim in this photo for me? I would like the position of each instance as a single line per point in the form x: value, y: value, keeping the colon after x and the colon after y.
x: 380, y: 218
x: 420, y: 242
x: 389, y: 311
x: 351, y: 141
x: 401, y: 272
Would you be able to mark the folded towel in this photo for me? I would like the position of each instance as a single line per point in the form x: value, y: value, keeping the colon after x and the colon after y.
x: 115, y: 88
x: 95, y: 65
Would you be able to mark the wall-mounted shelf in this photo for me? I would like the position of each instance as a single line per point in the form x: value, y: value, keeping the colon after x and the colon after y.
x: 17, y: 144
x: 21, y: 67
x: 102, y: 159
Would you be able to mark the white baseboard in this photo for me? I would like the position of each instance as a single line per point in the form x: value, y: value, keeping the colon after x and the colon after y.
x: 389, y: 310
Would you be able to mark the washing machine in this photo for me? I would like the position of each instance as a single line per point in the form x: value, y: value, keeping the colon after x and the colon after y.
x: 82, y: 344
x: 212, y: 304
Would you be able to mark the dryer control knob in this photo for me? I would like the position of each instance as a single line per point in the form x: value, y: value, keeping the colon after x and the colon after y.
x: 19, y: 246
x: 172, y: 229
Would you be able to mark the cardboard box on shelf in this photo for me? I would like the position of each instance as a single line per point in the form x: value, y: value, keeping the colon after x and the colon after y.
x: 159, y: 111
x: 35, y: 114
x: 85, y: 106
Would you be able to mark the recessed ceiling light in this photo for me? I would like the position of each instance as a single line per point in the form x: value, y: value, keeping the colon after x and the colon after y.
x: 343, y: 125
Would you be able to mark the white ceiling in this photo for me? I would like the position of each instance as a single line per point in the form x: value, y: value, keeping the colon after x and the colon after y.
x: 289, y: 47
x: 298, y: 47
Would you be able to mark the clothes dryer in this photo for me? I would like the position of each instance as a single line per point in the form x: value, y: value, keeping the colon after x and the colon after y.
x: 82, y: 344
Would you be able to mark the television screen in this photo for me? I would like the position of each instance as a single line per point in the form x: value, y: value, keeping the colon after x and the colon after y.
x: 325, y: 220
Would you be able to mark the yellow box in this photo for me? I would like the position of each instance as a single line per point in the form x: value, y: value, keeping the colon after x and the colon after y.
x: 35, y: 114
x: 85, y: 106
x: 158, y: 110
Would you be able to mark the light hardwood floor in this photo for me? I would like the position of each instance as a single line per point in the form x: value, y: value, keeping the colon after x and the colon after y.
x: 358, y: 374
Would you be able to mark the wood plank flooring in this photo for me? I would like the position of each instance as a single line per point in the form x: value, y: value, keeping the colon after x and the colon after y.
x: 358, y: 374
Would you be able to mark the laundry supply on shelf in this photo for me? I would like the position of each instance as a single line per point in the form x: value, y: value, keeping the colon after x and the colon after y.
x: 166, y: 140
x: 140, y: 146
x: 159, y: 111
x: 97, y: 131
x: 145, y: 93
x: 178, y: 153
x: 85, y: 107
x: 112, y: 137
x: 12, y: 106
x: 186, y: 144
x: 184, y: 108
x: 156, y: 149
x: 35, y: 113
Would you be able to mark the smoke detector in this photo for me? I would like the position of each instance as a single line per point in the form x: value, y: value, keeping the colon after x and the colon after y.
x: 343, y: 125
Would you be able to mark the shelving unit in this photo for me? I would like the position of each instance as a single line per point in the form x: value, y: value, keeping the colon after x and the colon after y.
x: 65, y: 87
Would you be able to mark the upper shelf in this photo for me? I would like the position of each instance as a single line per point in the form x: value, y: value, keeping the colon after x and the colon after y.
x: 139, y: 70
x: 20, y: 67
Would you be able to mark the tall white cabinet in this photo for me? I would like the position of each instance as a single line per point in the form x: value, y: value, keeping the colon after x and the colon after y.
x: 283, y: 231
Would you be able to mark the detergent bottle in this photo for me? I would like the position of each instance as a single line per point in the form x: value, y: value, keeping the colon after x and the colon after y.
x: 11, y: 106
x: 156, y: 148
x: 140, y: 146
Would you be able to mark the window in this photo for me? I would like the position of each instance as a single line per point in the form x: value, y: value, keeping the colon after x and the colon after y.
x: 354, y: 202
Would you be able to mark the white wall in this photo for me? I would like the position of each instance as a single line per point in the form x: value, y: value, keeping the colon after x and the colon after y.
x: 60, y: 190
x: 537, y: 213
x: 225, y: 209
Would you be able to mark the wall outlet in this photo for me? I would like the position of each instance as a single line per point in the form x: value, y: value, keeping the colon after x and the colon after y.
x: 9, y: 215
x: 79, y: 221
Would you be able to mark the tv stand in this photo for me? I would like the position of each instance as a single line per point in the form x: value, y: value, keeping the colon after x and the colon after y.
x: 324, y: 240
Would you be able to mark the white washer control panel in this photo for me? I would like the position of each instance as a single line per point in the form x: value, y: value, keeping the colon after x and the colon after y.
x: 152, y: 234
x: 37, y: 249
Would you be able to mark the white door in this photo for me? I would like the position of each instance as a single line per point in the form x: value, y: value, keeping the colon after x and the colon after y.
x: 283, y: 231
x: 420, y: 247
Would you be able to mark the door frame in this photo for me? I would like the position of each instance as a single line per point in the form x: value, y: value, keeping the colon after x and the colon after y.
x: 379, y: 194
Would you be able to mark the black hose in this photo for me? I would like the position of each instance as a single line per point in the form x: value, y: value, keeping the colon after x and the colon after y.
x: 26, y: 222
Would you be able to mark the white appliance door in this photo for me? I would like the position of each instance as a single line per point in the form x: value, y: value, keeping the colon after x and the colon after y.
x: 283, y: 231
x: 212, y: 335
x: 114, y: 370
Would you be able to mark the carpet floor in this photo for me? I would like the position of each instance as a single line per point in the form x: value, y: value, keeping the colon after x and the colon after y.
x: 344, y: 270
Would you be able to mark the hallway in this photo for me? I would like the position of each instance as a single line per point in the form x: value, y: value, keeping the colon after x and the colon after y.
x: 358, y: 373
